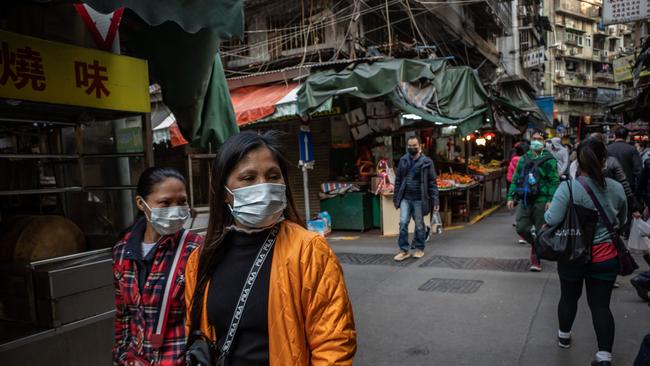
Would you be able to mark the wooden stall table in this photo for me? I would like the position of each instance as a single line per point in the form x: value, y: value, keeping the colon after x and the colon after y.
x: 390, y: 217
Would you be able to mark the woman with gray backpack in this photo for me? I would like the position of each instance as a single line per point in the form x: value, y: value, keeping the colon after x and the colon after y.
x: 594, y: 191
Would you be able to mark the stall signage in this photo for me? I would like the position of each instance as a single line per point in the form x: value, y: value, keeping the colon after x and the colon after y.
x: 625, y: 11
x: 624, y: 69
x: 534, y: 57
x: 42, y: 71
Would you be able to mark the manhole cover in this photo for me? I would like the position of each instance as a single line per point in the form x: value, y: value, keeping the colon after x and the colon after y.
x: 370, y: 259
x: 477, y: 263
x: 450, y: 285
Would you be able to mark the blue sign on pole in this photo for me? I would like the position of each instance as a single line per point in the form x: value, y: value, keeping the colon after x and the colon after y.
x: 305, y: 142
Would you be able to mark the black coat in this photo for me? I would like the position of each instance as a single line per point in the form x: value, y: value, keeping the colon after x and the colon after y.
x: 629, y: 159
x: 429, y: 190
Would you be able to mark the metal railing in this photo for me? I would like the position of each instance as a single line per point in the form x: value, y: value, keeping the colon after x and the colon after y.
x: 502, y: 10
x: 577, y: 7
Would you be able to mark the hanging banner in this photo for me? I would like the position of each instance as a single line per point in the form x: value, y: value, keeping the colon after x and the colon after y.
x: 533, y: 57
x: 624, y: 11
x: 43, y: 71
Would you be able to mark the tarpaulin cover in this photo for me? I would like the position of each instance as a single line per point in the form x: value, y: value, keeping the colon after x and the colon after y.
x: 371, y: 80
x: 458, y: 97
x: 516, y: 96
x: 190, y: 73
x: 252, y: 103
x: 225, y: 17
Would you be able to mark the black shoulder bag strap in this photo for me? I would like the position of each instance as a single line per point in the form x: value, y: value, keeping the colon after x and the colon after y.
x: 243, y: 298
x: 603, y: 215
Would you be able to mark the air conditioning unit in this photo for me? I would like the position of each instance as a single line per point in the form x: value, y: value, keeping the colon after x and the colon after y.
x: 587, y: 77
x: 560, y: 74
x: 606, y: 53
x: 611, y: 30
x: 573, y: 51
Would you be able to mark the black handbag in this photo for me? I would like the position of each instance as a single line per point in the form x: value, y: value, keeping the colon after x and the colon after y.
x: 200, y: 351
x: 626, y: 263
x: 569, y: 241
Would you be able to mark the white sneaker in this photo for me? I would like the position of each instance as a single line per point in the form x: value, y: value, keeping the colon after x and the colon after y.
x: 401, y: 256
x: 419, y: 253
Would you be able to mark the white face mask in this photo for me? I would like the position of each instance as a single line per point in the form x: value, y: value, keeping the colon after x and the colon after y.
x: 259, y: 206
x: 167, y: 220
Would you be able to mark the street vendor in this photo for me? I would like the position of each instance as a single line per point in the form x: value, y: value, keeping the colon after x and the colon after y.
x: 148, y: 268
x: 416, y: 194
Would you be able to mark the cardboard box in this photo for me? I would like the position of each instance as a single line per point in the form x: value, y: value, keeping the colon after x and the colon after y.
x: 360, y: 131
x: 355, y: 117
x: 378, y: 110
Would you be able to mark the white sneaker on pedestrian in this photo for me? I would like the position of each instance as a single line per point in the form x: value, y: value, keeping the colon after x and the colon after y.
x: 419, y: 253
x: 535, y: 268
x: 401, y: 256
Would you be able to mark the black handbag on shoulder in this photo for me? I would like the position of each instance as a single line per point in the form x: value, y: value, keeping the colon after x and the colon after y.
x: 200, y: 350
x: 569, y: 241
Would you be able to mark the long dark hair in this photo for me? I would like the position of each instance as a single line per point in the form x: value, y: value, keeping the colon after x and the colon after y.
x: 592, y: 154
x: 230, y: 154
x: 152, y: 176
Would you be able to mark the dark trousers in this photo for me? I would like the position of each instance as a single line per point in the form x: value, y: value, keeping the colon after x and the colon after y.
x: 528, y: 216
x: 599, y: 294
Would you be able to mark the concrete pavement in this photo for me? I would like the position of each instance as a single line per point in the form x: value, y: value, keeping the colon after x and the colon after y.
x: 492, y: 312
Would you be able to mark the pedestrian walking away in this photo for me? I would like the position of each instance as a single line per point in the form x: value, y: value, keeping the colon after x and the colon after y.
x: 416, y: 195
x: 599, y: 274
x: 627, y: 155
x: 613, y: 170
x: 148, y: 267
x: 561, y: 155
x: 263, y: 290
x: 521, y: 148
x: 533, y: 185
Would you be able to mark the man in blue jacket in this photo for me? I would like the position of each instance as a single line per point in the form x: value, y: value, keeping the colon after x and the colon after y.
x: 416, y: 195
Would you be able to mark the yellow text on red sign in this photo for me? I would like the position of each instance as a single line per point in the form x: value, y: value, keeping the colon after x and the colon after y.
x: 42, y: 71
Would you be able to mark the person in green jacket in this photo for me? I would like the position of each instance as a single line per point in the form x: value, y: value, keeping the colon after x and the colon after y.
x: 533, y: 185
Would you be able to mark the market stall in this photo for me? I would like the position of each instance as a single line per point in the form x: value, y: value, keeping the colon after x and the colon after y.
x: 75, y: 136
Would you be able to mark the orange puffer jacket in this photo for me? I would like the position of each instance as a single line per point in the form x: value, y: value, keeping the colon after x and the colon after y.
x: 310, y: 315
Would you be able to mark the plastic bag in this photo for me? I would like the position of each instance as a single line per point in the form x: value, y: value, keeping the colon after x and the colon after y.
x: 639, y: 232
x: 435, y: 226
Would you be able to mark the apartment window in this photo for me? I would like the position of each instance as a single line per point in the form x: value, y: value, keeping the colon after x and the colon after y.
x: 524, y: 40
x: 612, y: 45
x: 571, y: 66
x: 588, y: 41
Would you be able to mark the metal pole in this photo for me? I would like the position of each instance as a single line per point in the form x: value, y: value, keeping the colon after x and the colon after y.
x: 305, y: 184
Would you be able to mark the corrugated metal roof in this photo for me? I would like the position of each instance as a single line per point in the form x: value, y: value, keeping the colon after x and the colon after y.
x: 306, y: 66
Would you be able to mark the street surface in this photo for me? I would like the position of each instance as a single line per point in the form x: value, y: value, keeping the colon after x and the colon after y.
x: 493, y: 312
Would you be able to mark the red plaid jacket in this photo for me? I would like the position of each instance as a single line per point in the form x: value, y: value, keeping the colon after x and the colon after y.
x: 136, y: 312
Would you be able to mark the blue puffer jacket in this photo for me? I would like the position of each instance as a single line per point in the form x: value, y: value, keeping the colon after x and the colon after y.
x: 430, y: 196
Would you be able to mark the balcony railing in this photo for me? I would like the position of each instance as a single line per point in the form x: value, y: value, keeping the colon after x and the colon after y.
x: 503, y: 13
x: 577, y: 8
x: 604, y: 76
x: 577, y: 95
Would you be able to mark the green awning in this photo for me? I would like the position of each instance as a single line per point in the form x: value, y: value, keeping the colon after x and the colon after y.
x: 514, y: 96
x: 365, y: 80
x: 224, y: 17
x: 458, y: 97
x: 189, y: 71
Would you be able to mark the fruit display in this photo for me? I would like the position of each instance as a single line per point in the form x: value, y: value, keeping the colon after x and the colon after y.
x: 484, y: 169
x: 452, y: 180
x: 444, y: 184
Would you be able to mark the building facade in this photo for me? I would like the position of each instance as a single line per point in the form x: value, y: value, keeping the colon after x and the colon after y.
x: 579, y: 71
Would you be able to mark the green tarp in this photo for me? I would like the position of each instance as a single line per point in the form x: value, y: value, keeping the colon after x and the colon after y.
x: 189, y: 71
x: 459, y: 98
x: 371, y: 80
x: 514, y: 95
x: 225, y: 17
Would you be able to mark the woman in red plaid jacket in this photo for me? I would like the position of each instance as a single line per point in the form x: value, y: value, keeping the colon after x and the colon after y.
x: 149, y: 295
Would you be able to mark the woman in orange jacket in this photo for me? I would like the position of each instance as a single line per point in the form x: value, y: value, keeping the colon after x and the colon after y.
x: 285, y: 283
